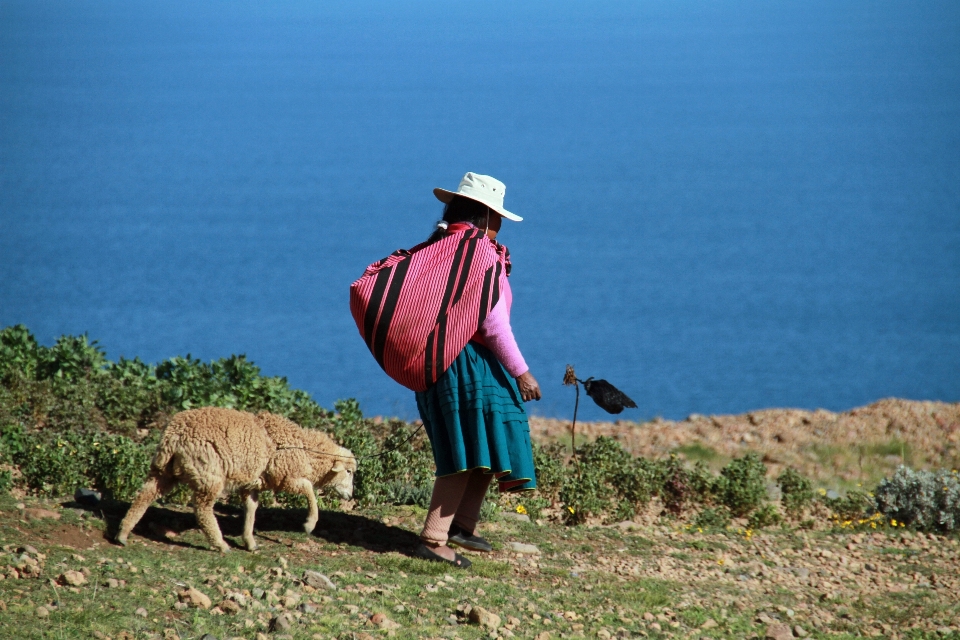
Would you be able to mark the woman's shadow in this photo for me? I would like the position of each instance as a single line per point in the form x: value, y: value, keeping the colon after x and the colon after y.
x: 164, y: 525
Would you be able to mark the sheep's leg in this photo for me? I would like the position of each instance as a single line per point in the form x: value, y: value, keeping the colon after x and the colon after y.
x: 154, y: 487
x: 250, y: 499
x: 305, y: 487
x: 204, y: 499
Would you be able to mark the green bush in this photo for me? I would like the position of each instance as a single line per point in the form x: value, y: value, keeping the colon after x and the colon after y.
x: 607, y: 482
x: 548, y: 463
x: 55, y: 464
x: 120, y: 465
x: 764, y: 516
x: 741, y: 486
x: 796, y: 492
x: 853, y: 506
x: 925, y: 500
x: 676, y: 488
x: 18, y: 352
x: 713, y: 518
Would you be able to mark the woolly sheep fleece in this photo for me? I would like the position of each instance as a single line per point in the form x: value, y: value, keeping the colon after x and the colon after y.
x: 214, y: 450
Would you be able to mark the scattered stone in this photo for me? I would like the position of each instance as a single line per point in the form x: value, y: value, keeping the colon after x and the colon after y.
x: 73, y: 578
x: 42, y: 612
x: 239, y: 598
x: 140, y: 612
x: 800, y: 632
x: 778, y: 632
x: 290, y: 602
x: 317, y: 580
x: 195, y: 598
x: 308, y: 607
x: 111, y: 583
x: 209, y: 636
x: 513, y: 515
x: 543, y: 635
x: 29, y: 549
x: 383, y: 622
x: 604, y: 634
x: 229, y: 606
x: 258, y: 593
x: 484, y: 618
x: 283, y: 622
x: 40, y: 514
x: 520, y: 547
x: 709, y: 624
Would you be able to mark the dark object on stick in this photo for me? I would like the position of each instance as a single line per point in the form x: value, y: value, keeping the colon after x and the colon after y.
x: 607, y: 396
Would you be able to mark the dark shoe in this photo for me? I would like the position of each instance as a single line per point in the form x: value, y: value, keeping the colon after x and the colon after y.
x: 466, y: 540
x: 424, y: 552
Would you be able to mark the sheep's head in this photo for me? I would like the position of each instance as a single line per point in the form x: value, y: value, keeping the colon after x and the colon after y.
x: 340, y: 478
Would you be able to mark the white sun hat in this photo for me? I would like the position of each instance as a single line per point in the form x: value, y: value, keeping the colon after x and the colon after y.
x: 484, y: 189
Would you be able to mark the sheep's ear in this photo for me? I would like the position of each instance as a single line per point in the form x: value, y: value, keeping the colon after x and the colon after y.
x: 338, y: 467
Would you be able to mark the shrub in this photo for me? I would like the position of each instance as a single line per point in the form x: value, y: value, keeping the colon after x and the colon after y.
x: 393, y: 462
x: 120, y: 465
x: 18, y: 352
x: 741, y: 486
x: 548, y: 463
x: 764, y: 516
x: 926, y: 500
x: 796, y: 492
x: 853, y: 506
x: 55, y: 464
x: 608, y: 481
x: 676, y: 488
x: 713, y: 518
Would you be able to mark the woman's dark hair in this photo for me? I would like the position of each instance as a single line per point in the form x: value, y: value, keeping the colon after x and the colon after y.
x: 462, y: 209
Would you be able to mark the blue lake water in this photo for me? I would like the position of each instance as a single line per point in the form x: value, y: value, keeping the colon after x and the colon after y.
x: 728, y: 206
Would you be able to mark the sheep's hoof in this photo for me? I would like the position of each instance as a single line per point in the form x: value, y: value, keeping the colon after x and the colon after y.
x: 251, y: 545
x: 223, y: 548
x: 121, y: 540
x: 308, y: 527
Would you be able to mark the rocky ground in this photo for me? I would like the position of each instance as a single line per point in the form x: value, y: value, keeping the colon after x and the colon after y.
x: 354, y: 578
x: 857, y: 446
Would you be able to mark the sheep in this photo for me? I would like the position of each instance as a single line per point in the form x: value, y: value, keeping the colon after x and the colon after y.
x: 216, y: 450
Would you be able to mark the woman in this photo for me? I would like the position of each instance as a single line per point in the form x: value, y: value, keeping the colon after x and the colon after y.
x: 474, y: 414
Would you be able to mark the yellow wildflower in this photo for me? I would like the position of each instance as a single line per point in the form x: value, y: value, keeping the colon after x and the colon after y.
x: 521, y: 509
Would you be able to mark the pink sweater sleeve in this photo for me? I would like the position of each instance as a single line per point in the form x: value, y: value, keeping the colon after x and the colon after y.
x: 497, y: 335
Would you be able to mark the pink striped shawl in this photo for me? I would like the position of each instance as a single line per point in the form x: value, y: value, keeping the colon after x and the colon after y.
x: 417, y: 309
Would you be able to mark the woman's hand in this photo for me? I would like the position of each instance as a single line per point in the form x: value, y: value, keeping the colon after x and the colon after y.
x: 529, y: 387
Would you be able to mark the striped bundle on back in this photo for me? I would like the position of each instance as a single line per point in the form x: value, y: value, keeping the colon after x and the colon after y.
x: 417, y: 309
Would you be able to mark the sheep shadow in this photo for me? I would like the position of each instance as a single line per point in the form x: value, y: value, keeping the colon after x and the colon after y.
x: 163, y: 525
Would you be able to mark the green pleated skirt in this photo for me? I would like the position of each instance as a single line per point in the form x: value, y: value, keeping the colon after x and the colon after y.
x: 474, y: 417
